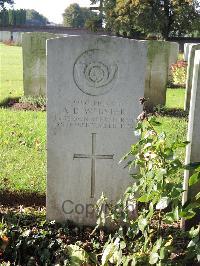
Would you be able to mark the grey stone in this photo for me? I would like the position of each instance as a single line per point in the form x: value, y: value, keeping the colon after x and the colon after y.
x: 17, y: 37
x: 173, y: 56
x: 193, y: 149
x: 34, y: 62
x: 192, y: 49
x: 5, y: 36
x: 186, y: 50
x: 93, y: 85
x: 157, y: 73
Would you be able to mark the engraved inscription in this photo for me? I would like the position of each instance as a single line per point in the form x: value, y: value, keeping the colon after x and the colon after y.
x: 93, y: 156
x: 95, y: 72
x: 91, y: 113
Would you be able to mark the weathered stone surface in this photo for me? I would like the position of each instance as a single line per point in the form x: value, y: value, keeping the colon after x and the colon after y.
x: 193, y: 149
x: 192, y: 49
x: 34, y: 62
x: 157, y: 72
x: 93, y: 84
x: 5, y: 36
x: 173, y: 56
x: 186, y: 50
x: 17, y: 37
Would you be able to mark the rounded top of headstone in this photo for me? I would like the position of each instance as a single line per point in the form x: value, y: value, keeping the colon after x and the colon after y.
x: 95, y: 72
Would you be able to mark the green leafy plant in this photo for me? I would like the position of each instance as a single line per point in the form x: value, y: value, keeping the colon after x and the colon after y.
x: 39, y: 101
x: 149, y: 237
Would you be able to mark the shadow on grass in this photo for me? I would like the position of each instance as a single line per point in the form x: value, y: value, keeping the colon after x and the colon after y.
x: 25, y: 198
x: 9, y: 102
x: 171, y: 112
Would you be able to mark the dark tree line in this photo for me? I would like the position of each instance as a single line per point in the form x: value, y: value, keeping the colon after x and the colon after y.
x: 12, y: 17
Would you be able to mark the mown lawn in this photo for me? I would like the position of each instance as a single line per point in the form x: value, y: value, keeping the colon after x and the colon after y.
x: 11, y: 72
x: 23, y: 133
x: 22, y: 150
x: 175, y: 98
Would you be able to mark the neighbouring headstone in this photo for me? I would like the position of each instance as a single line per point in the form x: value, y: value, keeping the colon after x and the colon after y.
x: 17, y: 37
x: 193, y: 149
x: 173, y: 56
x: 157, y: 73
x: 192, y: 49
x: 5, y: 36
x: 93, y: 85
x: 34, y: 62
x: 186, y: 50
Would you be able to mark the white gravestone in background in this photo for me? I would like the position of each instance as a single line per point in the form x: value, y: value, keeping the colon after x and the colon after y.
x: 5, y: 36
x: 193, y: 149
x: 94, y: 84
x: 34, y: 62
x: 173, y: 56
x: 186, y: 50
x: 17, y: 37
x: 157, y: 73
x: 192, y: 49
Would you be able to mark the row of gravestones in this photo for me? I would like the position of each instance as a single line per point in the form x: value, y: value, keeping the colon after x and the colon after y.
x: 193, y: 149
x: 160, y: 57
x: 93, y: 87
x: 7, y: 36
x: 189, y: 55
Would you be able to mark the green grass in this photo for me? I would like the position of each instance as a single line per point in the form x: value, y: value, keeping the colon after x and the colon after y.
x: 175, y: 98
x: 23, y: 134
x: 11, y: 72
x: 22, y: 150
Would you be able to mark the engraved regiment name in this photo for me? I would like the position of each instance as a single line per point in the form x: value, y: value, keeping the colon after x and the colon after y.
x: 93, y: 114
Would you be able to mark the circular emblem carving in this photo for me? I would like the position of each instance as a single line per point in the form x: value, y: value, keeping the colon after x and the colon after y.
x: 94, y: 72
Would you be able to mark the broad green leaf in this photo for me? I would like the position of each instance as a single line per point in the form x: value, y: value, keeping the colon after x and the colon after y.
x: 142, y: 223
x: 193, y: 242
x: 176, y: 192
x: 179, y: 144
x: 77, y: 255
x: 176, y: 163
x: 176, y: 214
x: 157, y: 245
x: 153, y: 258
x: 187, y: 214
x: 143, y: 198
x: 194, y: 232
x: 151, y: 210
x: 116, y: 258
x: 162, y: 253
x: 153, y: 121
x: 163, y: 203
x: 197, y: 196
x: 194, y: 179
x: 108, y: 253
x: 169, y: 218
x: 122, y: 245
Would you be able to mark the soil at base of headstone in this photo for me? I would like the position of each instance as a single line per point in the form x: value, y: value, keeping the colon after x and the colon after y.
x: 25, y: 106
x: 14, y: 198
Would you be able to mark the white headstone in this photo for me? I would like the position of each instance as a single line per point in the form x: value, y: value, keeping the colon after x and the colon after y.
x: 17, y: 37
x: 173, y: 56
x: 34, y: 62
x: 193, y: 149
x: 186, y: 50
x: 192, y: 49
x: 157, y: 73
x: 93, y: 84
x: 5, y: 36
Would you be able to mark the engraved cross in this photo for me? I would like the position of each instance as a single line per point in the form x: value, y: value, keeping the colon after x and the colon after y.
x: 93, y: 156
